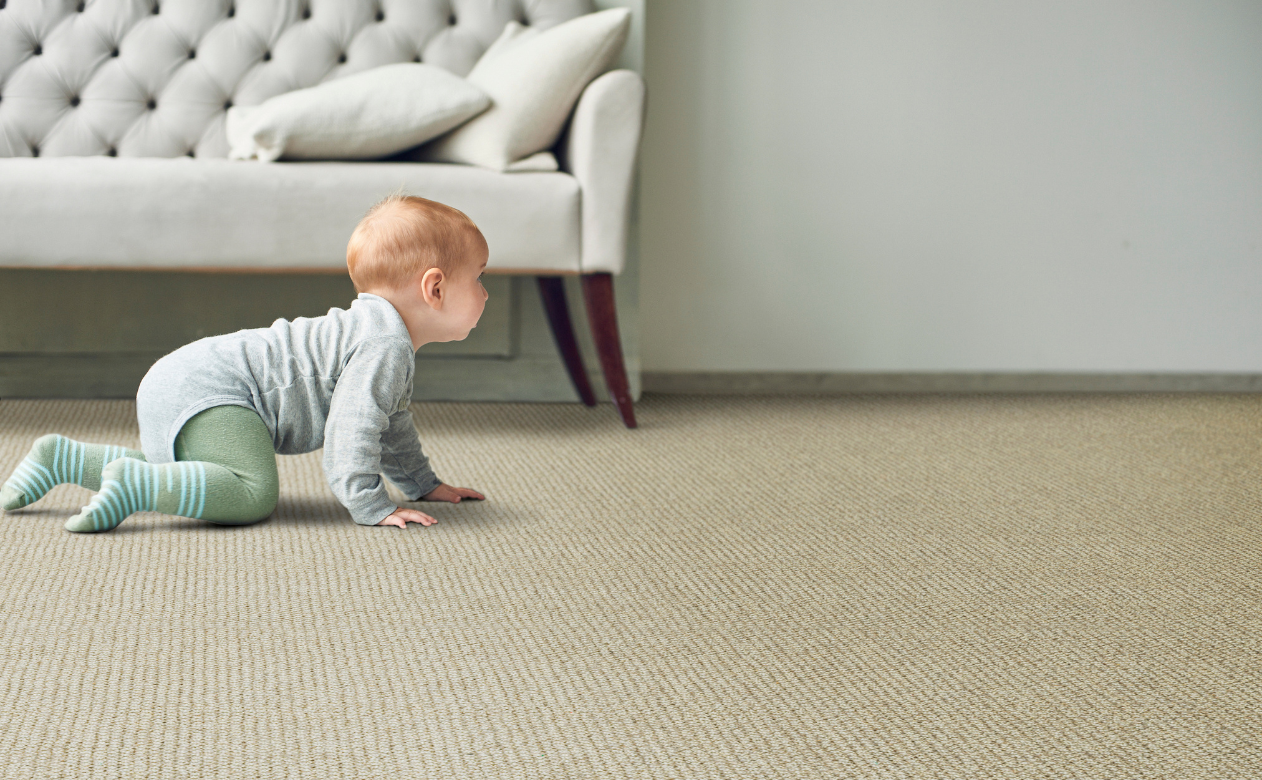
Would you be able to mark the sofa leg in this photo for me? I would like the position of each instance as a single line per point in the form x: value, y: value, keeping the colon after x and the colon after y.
x: 598, y: 293
x: 552, y: 291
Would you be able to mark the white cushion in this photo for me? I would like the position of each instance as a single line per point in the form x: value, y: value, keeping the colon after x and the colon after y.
x: 107, y: 212
x: 371, y: 114
x: 534, y: 79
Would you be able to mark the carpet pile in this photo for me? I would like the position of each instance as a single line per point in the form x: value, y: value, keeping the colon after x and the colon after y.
x: 1032, y: 586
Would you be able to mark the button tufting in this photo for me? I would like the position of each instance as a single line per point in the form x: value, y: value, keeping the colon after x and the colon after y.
x: 190, y: 153
x: 112, y: 152
x: 35, y: 151
x: 306, y: 51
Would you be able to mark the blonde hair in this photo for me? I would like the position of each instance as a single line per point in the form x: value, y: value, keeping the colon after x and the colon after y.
x: 404, y: 236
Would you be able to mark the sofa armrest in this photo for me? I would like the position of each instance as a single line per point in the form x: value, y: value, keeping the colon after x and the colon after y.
x: 600, y: 151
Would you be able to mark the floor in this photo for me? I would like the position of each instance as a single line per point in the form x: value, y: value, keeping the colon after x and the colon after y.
x: 917, y: 586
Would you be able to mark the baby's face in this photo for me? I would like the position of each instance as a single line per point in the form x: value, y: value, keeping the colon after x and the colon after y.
x: 467, y: 297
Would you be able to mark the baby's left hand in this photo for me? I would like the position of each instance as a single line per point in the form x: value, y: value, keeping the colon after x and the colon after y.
x: 452, y: 494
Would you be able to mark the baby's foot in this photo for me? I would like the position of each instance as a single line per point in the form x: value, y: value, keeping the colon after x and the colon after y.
x: 12, y: 498
x: 54, y: 459
x: 127, y: 486
x: 39, y: 472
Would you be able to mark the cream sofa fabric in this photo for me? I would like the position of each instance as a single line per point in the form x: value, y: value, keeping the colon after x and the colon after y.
x: 533, y: 79
x: 153, y: 78
x: 224, y: 214
x: 144, y: 79
x: 364, y: 116
x: 600, y: 152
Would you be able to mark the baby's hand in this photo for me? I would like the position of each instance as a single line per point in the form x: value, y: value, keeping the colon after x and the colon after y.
x: 452, y: 494
x: 401, y: 517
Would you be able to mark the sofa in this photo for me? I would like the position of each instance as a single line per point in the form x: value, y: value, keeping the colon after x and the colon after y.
x: 113, y: 151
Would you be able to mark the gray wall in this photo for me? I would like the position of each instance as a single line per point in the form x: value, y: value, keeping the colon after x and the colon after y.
x: 952, y: 185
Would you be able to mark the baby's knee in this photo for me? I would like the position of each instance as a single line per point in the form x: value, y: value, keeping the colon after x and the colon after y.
x: 257, y: 502
x: 267, y: 493
x: 265, y: 503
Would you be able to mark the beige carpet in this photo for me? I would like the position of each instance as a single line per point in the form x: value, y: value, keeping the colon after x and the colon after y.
x: 883, y: 587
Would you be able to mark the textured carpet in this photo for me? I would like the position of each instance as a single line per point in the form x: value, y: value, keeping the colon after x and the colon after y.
x: 883, y: 587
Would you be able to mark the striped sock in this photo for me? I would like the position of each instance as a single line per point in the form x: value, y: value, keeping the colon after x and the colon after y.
x: 129, y: 486
x: 54, y: 459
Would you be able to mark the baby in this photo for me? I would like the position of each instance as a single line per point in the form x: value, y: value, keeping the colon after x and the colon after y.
x: 214, y: 413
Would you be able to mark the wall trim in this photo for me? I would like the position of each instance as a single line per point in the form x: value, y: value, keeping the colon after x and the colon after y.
x: 830, y: 383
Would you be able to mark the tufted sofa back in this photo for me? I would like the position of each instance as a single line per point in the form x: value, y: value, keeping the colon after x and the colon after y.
x: 154, y: 78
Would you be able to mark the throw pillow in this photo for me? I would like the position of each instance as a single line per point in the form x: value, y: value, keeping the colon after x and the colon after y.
x: 370, y: 114
x: 534, y: 78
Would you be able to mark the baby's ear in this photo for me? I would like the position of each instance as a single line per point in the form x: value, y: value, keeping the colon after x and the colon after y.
x: 431, y: 287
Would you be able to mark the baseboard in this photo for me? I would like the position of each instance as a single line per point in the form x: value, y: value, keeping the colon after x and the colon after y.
x: 804, y: 383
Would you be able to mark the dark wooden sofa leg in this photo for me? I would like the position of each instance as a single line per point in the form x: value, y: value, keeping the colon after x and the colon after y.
x: 598, y: 293
x: 552, y: 291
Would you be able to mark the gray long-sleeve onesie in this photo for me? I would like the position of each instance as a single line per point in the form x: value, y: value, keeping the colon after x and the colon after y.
x: 342, y: 381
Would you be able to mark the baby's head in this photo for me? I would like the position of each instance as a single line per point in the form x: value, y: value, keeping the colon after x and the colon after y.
x: 426, y: 258
x: 403, y: 236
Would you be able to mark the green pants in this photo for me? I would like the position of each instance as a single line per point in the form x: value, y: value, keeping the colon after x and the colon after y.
x: 236, y: 439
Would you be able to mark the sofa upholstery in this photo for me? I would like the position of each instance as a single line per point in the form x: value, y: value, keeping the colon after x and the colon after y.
x: 154, y: 78
x: 600, y: 152
x: 251, y: 216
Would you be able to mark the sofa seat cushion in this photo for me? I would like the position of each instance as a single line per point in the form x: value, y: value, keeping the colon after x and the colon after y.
x: 185, y: 213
